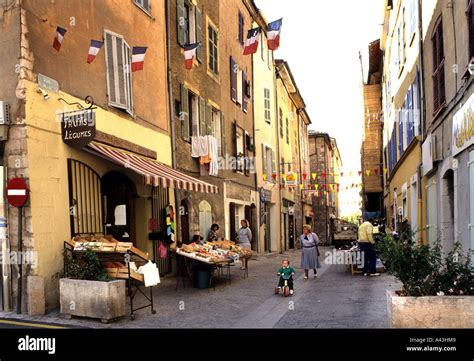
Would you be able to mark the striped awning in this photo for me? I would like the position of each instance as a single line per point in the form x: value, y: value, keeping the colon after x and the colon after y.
x: 154, y: 173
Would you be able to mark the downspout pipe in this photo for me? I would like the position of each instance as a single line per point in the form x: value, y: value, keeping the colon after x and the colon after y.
x: 171, y: 109
x: 276, y: 76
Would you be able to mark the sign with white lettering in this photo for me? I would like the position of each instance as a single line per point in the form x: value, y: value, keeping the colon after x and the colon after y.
x: 463, y: 127
x: 78, y: 128
x: 48, y: 83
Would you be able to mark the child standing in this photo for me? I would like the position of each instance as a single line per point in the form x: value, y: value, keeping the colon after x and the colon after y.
x: 286, y: 273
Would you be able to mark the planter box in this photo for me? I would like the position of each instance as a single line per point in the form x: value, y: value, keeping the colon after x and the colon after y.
x: 95, y: 299
x: 430, y: 311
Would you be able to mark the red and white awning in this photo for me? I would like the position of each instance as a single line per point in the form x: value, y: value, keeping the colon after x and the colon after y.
x: 153, y: 172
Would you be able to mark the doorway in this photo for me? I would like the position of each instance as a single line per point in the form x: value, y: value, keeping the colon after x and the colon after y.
x: 119, y: 193
x: 268, y: 228
x: 184, y: 222
x: 291, y: 232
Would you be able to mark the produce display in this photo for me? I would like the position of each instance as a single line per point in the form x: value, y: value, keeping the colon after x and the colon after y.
x: 217, y: 251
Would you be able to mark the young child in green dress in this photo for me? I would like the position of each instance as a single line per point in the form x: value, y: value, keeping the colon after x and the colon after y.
x: 286, y: 273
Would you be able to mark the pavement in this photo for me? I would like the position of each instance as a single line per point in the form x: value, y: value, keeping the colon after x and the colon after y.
x: 336, y: 299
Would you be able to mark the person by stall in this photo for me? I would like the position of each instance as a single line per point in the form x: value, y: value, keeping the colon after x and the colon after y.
x: 212, y: 235
x: 244, y: 239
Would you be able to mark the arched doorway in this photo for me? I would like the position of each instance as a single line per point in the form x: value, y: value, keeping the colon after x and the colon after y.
x: 119, y: 193
x: 447, y: 211
x: 184, y: 222
x: 205, y: 218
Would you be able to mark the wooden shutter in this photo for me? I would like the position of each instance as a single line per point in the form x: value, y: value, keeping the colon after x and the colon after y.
x: 117, y: 58
x: 234, y: 145
x: 180, y: 23
x: 198, y: 19
x: 202, y: 117
x: 184, y: 116
x: 223, y: 143
x: 244, y: 92
x: 233, y: 80
x: 246, y: 152
x: 264, y: 160
x: 209, y: 120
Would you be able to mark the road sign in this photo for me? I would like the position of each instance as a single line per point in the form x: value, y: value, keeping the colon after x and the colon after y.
x: 17, y: 192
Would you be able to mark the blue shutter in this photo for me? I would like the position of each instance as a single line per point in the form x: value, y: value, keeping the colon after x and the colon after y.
x: 410, y: 124
x: 400, y: 132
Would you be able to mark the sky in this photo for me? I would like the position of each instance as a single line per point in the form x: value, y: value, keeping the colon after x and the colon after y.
x: 321, y: 40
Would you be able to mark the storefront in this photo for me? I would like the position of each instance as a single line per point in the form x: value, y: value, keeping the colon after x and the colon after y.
x: 463, y: 176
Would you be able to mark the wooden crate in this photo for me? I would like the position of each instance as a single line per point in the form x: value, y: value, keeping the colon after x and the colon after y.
x: 122, y: 273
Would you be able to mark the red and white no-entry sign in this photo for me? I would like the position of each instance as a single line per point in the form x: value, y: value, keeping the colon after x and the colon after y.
x: 17, y: 192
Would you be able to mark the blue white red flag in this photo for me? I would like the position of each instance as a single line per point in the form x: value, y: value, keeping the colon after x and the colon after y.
x: 253, y: 37
x: 58, y: 39
x: 138, y: 57
x: 189, y: 53
x: 94, y: 50
x: 273, y: 34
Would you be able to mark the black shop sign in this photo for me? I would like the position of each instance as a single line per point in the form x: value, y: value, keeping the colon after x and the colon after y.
x: 78, y: 128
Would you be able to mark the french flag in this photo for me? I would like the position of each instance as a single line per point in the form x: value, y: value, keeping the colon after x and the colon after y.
x: 189, y: 53
x: 273, y: 34
x: 138, y: 57
x: 253, y: 37
x: 94, y: 50
x: 58, y: 39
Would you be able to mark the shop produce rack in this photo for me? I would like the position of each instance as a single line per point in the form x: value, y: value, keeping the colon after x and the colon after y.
x: 135, y: 281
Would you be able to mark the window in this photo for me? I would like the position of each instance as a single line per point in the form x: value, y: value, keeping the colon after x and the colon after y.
x: 119, y: 75
x: 283, y: 166
x: 193, y: 115
x: 401, y: 42
x: 287, y: 132
x: 85, y: 203
x: 239, y: 147
x: 143, y: 4
x: 189, y: 24
x: 470, y: 22
x: 281, y: 123
x: 266, y: 105
x: 241, y: 29
x: 439, y: 96
x: 213, y: 54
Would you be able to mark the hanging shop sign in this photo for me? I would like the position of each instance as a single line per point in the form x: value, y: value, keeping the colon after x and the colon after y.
x: 291, y: 179
x: 78, y: 128
x: 463, y: 127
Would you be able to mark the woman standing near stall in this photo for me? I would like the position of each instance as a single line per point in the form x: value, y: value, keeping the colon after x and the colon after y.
x: 244, y: 239
x: 309, y: 251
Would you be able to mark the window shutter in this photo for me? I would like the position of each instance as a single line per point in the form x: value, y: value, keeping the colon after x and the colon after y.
x: 202, y: 117
x: 128, y: 77
x: 246, y: 152
x: 184, y: 115
x: 209, y: 120
x: 223, y: 144
x: 233, y: 80
x: 264, y: 160
x: 198, y: 18
x: 119, y: 78
x: 245, y: 100
x: 180, y: 23
x: 274, y: 168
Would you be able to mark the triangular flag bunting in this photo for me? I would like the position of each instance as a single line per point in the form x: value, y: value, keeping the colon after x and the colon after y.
x: 264, y: 177
x: 313, y: 175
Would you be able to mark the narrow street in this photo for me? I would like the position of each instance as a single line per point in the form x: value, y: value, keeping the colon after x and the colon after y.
x: 335, y: 299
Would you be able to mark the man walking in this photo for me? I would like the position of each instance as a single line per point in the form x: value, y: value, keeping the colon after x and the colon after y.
x: 366, y: 245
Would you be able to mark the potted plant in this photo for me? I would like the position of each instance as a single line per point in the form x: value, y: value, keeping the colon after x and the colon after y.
x: 85, y: 289
x: 437, y: 291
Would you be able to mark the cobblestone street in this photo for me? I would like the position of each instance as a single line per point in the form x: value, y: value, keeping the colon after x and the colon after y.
x: 336, y: 299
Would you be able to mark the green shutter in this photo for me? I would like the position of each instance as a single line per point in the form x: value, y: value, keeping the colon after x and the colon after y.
x: 202, y: 117
x: 223, y: 134
x: 209, y: 120
x: 180, y: 23
x: 199, y: 34
x: 184, y: 114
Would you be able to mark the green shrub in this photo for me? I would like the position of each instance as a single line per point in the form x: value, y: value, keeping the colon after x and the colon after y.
x: 84, y: 265
x: 422, y: 269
